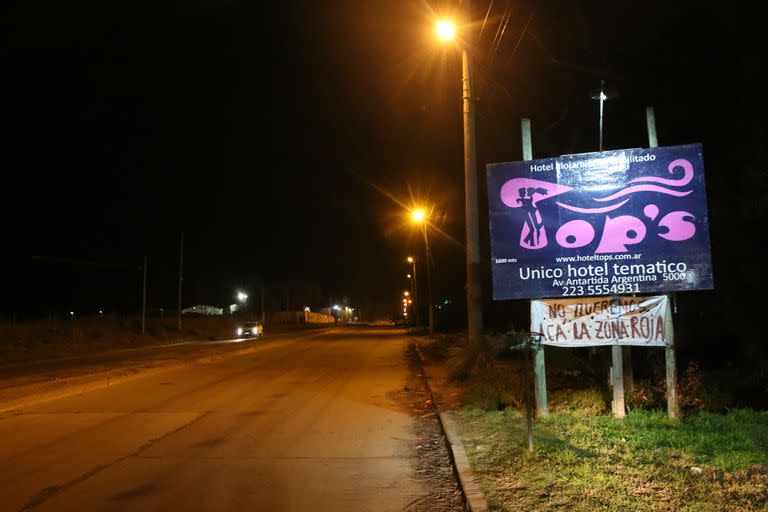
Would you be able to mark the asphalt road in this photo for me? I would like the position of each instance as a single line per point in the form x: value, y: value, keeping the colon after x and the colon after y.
x: 299, y: 423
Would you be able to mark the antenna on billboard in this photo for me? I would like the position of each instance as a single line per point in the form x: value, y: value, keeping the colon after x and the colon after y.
x: 601, y: 97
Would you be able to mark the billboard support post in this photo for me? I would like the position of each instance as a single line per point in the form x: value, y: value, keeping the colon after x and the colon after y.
x: 617, y: 381
x: 673, y: 410
x: 539, y: 368
x: 629, y: 377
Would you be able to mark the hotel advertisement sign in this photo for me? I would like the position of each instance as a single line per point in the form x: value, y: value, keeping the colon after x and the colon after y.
x: 616, y: 222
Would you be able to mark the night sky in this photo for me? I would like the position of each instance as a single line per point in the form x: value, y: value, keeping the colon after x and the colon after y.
x: 286, y: 139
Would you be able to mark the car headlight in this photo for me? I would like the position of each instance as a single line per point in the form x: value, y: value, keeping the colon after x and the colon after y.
x: 239, y: 331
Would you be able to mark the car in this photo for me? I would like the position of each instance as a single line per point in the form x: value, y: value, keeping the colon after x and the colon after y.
x: 250, y: 330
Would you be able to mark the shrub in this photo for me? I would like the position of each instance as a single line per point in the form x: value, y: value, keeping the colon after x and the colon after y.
x: 645, y: 396
x: 495, y: 389
x: 695, y: 396
x: 586, y: 402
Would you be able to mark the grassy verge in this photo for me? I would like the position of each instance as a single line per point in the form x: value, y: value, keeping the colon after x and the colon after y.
x: 594, y: 462
x: 714, y: 459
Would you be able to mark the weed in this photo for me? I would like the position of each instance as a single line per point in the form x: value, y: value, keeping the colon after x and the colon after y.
x: 495, y: 389
x: 645, y: 396
x: 438, y: 347
x: 695, y: 396
x: 586, y: 402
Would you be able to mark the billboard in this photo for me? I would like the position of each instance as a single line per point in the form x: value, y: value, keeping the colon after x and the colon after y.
x: 599, y: 321
x: 615, y: 222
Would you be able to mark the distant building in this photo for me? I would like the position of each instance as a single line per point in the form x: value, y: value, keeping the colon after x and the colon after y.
x: 202, y: 310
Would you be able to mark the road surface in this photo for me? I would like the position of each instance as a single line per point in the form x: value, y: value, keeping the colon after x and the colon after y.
x: 314, y: 422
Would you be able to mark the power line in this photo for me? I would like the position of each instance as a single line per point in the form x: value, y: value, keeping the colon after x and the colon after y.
x: 495, y: 44
x: 530, y: 17
x: 70, y: 261
x: 487, y: 13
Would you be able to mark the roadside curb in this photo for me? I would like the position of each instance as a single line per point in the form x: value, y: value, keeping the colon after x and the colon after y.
x: 470, y: 489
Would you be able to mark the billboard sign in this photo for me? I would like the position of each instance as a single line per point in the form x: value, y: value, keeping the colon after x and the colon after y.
x: 599, y: 321
x: 615, y: 222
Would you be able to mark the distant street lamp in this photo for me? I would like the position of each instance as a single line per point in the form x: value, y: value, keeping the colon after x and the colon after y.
x: 447, y: 32
x: 420, y: 218
x: 406, y: 302
x: 242, y: 297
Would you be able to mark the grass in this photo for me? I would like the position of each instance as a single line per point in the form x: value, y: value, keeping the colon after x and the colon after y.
x: 595, y: 462
x: 713, y: 459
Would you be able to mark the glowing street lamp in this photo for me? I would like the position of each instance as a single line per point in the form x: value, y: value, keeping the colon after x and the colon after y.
x: 446, y: 30
x: 474, y: 292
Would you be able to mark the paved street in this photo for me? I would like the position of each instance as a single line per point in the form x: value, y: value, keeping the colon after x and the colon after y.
x: 296, y: 424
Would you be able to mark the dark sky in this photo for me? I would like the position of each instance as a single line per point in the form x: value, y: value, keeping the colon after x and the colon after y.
x: 285, y: 138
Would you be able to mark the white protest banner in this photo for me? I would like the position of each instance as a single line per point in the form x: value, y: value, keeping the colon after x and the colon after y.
x: 595, y: 321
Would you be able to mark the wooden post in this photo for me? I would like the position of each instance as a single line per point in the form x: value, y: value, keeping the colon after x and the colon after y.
x: 673, y: 409
x: 540, y: 382
x: 527, y: 146
x: 629, y: 377
x: 617, y: 381
x: 650, y: 118
x: 539, y: 368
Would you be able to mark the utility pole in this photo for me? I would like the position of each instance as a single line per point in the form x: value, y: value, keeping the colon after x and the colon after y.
x: 144, y: 300
x: 673, y: 409
x: 263, y: 315
x: 539, y: 368
x: 181, y: 276
x: 415, y: 311
x: 430, y: 297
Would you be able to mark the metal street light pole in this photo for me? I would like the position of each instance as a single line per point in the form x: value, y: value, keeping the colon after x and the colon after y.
x: 419, y: 216
x: 430, y: 300
x: 415, y: 299
x: 474, y: 291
